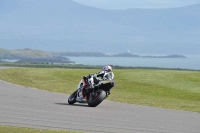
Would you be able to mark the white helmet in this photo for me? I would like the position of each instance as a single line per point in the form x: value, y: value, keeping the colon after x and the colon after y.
x: 107, y: 68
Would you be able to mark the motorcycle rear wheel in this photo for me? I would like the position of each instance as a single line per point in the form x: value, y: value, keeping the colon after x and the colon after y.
x: 97, y: 98
x: 72, y: 98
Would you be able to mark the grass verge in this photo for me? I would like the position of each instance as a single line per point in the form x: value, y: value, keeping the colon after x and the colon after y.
x: 173, y: 89
x: 12, y: 129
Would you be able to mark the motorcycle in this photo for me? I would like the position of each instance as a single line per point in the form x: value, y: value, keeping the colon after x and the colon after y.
x: 92, y: 90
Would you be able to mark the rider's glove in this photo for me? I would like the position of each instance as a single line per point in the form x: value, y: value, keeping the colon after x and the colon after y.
x: 96, y: 81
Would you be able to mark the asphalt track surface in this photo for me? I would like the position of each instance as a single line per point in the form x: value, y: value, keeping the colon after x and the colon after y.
x: 29, y: 107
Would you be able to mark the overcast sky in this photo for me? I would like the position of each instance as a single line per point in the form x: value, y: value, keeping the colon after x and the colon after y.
x: 125, y: 4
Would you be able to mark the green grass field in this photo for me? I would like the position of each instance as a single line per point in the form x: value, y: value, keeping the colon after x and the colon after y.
x: 11, y: 129
x: 173, y: 89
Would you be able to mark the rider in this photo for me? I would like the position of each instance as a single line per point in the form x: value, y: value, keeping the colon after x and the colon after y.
x: 92, y: 80
x: 106, y: 69
x: 102, y: 74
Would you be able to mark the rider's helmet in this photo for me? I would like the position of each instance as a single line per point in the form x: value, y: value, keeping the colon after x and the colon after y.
x: 107, y: 68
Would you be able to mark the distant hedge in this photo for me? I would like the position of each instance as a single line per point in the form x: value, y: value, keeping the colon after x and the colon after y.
x: 78, y: 66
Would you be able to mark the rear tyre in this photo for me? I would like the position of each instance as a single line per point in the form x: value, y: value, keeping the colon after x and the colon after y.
x: 96, y: 98
x: 72, y: 97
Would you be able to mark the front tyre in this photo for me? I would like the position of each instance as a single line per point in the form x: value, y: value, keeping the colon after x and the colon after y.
x: 96, y: 98
x: 72, y: 97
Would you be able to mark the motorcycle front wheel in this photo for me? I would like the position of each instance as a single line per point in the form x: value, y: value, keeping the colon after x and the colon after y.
x: 72, y: 97
x: 96, y: 98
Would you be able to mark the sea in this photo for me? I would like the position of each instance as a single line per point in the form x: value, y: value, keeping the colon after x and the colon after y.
x: 191, y: 62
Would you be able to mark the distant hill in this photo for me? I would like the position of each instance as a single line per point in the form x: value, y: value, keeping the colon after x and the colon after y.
x: 3, y: 52
x: 31, y: 56
x: 124, y: 54
x: 65, y: 25
x: 23, y: 53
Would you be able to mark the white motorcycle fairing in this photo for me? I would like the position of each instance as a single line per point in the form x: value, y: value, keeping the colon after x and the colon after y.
x: 93, y: 94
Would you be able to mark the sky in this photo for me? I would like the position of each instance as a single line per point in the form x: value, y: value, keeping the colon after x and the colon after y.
x: 126, y: 4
